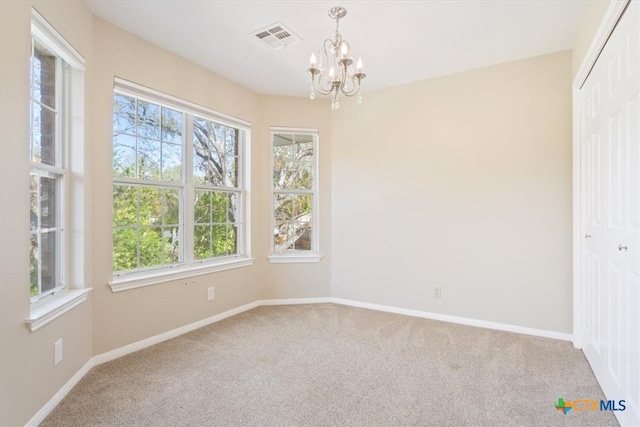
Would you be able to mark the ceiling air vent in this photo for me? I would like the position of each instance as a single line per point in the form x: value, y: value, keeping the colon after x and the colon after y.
x: 276, y: 36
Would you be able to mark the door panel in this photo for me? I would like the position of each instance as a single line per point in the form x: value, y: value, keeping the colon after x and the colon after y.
x: 610, y: 216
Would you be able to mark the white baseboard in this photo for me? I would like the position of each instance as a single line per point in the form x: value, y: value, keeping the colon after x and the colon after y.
x: 57, y: 398
x: 292, y: 301
x: 460, y: 320
x: 148, y: 342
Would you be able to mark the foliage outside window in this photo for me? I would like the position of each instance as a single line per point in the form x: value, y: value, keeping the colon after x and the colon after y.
x: 164, y: 156
x: 48, y: 92
x: 294, y: 193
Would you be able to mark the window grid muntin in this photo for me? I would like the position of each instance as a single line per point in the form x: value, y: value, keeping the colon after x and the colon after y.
x: 56, y: 171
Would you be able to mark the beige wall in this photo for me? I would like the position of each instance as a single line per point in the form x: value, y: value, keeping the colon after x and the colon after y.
x: 28, y: 377
x: 590, y: 24
x: 462, y: 182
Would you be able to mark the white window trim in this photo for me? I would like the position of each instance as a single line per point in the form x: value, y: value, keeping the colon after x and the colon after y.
x: 134, y: 281
x: 49, y: 307
x: 190, y: 267
x: 313, y: 255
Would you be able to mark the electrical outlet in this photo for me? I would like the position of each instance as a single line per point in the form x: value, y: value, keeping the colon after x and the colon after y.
x: 57, y: 352
x: 211, y: 294
x: 437, y: 292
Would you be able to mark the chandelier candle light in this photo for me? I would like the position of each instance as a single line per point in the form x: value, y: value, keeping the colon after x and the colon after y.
x: 332, y: 71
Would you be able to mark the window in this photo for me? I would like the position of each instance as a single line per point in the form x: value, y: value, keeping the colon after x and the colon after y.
x: 294, y: 196
x: 178, y: 187
x: 56, y: 156
x: 48, y: 146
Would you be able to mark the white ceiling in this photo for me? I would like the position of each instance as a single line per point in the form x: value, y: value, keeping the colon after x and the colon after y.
x: 399, y: 41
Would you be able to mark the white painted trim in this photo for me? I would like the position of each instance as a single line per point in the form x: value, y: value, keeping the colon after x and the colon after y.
x: 57, y: 398
x: 44, y: 31
x: 459, y: 320
x: 138, y: 281
x: 284, y: 259
x: 609, y: 21
x: 50, y: 308
x: 295, y: 301
x: 148, y: 342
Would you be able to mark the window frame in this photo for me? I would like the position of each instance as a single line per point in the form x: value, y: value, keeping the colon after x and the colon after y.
x: 48, y: 306
x: 190, y: 266
x: 65, y: 58
x: 296, y: 256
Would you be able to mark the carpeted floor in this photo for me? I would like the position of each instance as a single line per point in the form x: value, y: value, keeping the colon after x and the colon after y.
x: 333, y: 365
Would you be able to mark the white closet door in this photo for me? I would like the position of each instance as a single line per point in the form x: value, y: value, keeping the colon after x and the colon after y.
x: 610, y: 152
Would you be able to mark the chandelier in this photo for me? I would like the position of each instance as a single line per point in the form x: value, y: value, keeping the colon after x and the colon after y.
x: 332, y: 71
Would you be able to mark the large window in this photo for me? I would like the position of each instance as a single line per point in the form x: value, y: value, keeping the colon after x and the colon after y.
x: 48, y: 142
x: 294, y: 196
x: 178, y: 185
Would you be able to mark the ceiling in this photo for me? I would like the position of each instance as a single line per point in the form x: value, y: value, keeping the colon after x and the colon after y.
x: 399, y: 41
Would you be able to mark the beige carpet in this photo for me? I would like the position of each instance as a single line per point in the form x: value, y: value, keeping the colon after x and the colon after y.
x: 332, y: 365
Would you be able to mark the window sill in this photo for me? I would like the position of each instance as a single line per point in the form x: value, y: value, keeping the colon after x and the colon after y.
x: 290, y: 258
x: 138, y: 281
x: 51, y: 308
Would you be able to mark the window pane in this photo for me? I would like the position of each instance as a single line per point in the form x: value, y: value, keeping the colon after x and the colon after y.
x: 148, y: 159
x: 302, y: 207
x: 283, y: 236
x: 44, y: 75
x: 219, y: 207
x: 125, y: 249
x: 283, y: 207
x: 202, y: 241
x: 48, y: 277
x: 170, y: 244
x: 283, y: 163
x: 150, y: 246
x: 149, y: 206
x: 124, y: 155
x: 232, y: 209
x: 232, y: 239
x: 148, y: 120
x: 215, y: 154
x: 202, y: 207
x: 231, y: 141
x: 171, y: 162
x: 34, y: 202
x: 170, y: 207
x: 220, y: 242
x: 34, y: 265
x: 231, y: 171
x: 171, y: 126
x: 125, y: 205
x: 48, y: 202
x: 43, y: 135
x: 303, y: 236
x: 124, y: 114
